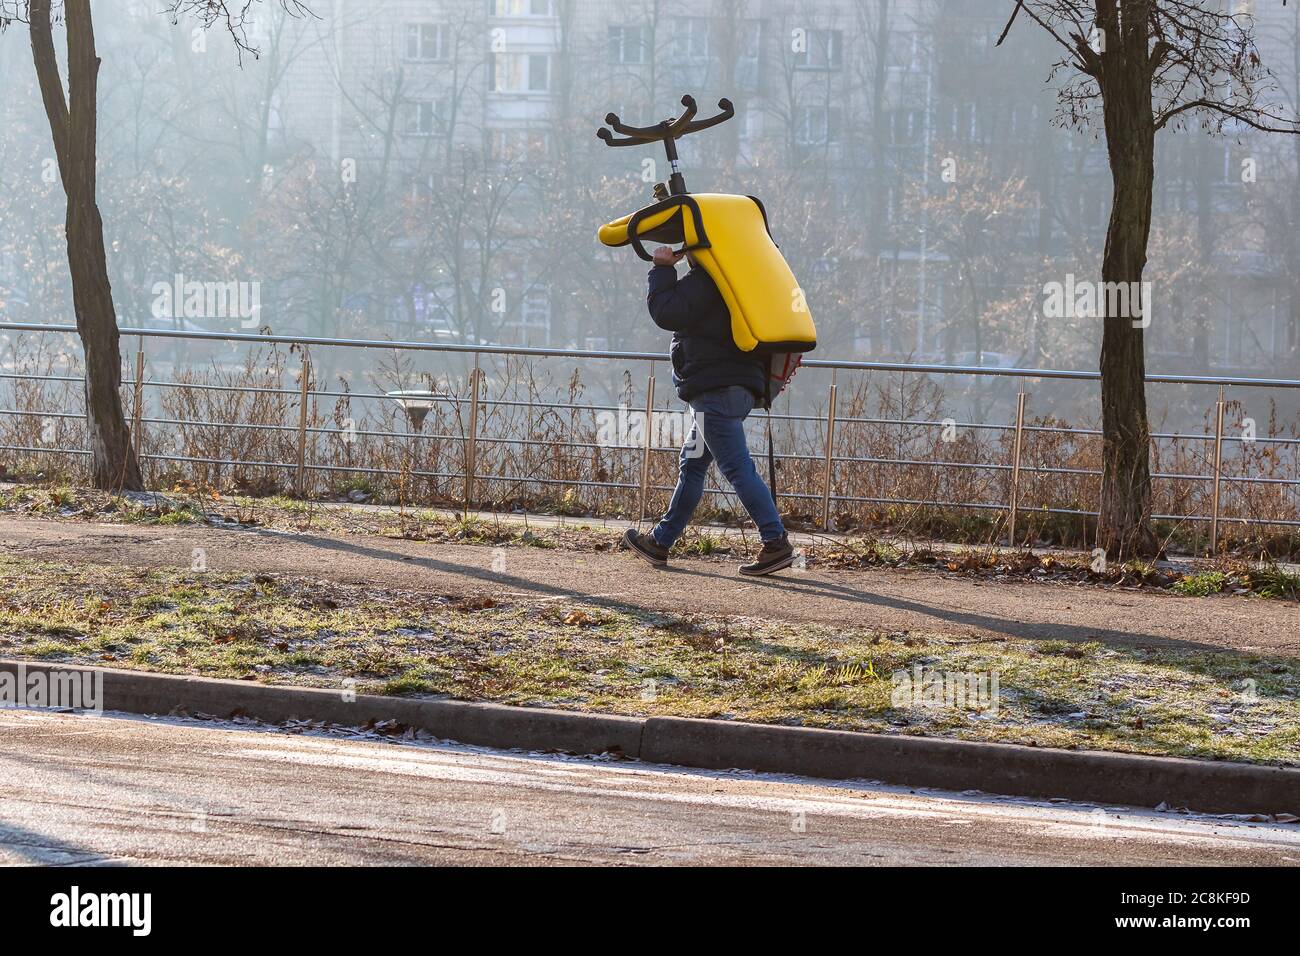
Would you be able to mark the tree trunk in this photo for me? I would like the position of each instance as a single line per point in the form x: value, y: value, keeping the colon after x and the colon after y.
x: 1123, y: 528
x: 1290, y: 363
x: 73, y: 128
x: 878, y: 197
x: 1205, y: 231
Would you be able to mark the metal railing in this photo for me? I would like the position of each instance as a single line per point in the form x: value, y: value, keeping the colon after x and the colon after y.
x: 824, y: 497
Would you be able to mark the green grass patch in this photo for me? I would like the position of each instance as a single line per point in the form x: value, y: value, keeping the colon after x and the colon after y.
x: 1274, y: 582
x: 1201, y: 584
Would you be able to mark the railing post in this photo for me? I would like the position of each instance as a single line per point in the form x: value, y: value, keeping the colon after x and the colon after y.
x: 304, y: 385
x: 830, y: 452
x: 1015, y: 470
x: 471, y: 441
x: 137, y: 414
x: 1218, y: 471
x: 649, y: 432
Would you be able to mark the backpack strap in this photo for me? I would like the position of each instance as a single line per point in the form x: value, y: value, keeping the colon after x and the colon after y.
x: 771, y: 457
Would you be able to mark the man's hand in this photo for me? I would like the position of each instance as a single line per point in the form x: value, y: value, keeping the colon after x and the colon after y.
x: 663, y: 256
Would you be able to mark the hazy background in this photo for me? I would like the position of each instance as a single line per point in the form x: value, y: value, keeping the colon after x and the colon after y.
x: 424, y: 170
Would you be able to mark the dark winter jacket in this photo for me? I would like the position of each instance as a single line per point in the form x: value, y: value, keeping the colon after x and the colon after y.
x: 704, y: 354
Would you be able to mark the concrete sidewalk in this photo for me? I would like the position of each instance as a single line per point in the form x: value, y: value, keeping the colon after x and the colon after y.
x: 745, y: 532
x: 886, y: 599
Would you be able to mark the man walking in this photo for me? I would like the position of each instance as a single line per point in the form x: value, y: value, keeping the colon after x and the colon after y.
x: 722, y: 385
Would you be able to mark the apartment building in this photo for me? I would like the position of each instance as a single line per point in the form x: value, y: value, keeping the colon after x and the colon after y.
x: 911, y: 169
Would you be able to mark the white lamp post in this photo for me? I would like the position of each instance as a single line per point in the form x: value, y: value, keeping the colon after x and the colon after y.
x: 417, y: 404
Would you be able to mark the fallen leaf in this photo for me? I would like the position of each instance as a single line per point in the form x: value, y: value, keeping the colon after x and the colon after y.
x: 474, y: 603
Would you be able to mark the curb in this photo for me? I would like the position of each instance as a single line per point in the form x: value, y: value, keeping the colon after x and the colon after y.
x: 1008, y: 769
x: 484, y: 725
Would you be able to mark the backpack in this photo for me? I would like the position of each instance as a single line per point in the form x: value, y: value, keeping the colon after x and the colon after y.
x: 781, y: 367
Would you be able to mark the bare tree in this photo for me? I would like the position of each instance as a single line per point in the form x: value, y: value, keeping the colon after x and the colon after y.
x: 1279, y: 206
x: 873, y: 19
x: 73, y: 120
x: 1152, y: 64
x: 972, y: 223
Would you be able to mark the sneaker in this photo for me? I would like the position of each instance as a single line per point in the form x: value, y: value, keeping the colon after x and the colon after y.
x: 775, y: 556
x: 646, y: 547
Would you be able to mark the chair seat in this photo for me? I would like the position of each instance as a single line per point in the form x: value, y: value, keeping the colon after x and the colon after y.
x: 729, y: 238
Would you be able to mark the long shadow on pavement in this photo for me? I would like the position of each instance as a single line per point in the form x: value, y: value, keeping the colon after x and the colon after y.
x: 808, y: 586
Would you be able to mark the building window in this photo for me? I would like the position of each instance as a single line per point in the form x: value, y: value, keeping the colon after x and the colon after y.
x: 627, y: 44
x: 690, y: 39
x: 750, y: 124
x: 893, y: 205
x: 522, y: 8
x: 1235, y: 153
x: 430, y: 310
x: 1094, y: 207
x: 426, y: 42
x: 822, y: 51
x: 816, y: 125
x: 904, y: 127
x: 533, y: 327
x: 958, y: 122
x: 907, y: 51
x: 521, y: 72
x: 750, y: 54
x: 421, y: 118
x: 517, y: 145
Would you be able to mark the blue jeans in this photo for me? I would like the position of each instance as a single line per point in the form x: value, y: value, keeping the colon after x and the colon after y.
x: 719, y: 416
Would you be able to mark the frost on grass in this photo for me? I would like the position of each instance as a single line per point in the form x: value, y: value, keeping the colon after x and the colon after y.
x: 621, y: 659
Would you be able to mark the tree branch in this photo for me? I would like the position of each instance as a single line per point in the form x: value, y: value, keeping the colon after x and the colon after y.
x: 1159, y: 53
x: 51, y: 83
x: 1256, y: 119
x: 83, y: 84
x: 1078, y: 64
x: 1007, y: 28
x: 235, y: 21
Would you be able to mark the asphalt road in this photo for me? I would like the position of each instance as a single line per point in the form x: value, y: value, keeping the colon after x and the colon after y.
x: 887, y: 599
x: 78, y: 790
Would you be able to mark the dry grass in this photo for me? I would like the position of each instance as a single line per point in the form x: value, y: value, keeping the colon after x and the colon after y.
x: 534, y: 457
x: 623, y: 660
